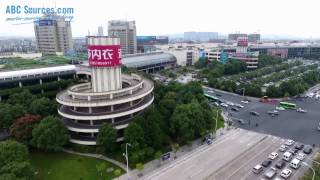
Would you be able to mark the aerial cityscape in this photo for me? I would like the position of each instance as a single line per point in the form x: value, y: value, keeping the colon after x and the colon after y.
x: 224, y: 90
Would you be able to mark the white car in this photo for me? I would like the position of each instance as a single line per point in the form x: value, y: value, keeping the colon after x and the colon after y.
x: 245, y: 102
x: 301, y: 110
x: 280, y: 108
x: 230, y: 103
x: 301, y: 156
x: 273, y: 155
x: 285, y: 173
x: 289, y: 142
x: 283, y: 148
x: 239, y: 105
x: 224, y: 105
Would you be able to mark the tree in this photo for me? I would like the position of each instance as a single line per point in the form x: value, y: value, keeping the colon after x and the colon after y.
x: 9, y: 113
x: 273, y: 91
x: 107, y: 137
x: 23, y: 98
x: 12, y: 151
x: 18, y: 170
x: 22, y: 128
x: 49, y: 134
x: 152, y: 125
x: 134, y: 135
x: 14, y: 163
x: 43, y: 107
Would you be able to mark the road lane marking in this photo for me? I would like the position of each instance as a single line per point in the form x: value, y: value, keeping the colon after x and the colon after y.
x: 251, y: 159
x: 189, y: 155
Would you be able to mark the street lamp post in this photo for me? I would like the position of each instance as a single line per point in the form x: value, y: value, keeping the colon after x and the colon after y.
x: 314, y: 173
x: 127, y: 158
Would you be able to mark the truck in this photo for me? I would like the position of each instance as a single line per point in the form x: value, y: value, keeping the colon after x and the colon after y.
x: 271, y: 173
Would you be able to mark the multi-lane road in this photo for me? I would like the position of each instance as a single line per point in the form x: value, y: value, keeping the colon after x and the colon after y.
x: 289, y: 124
x: 231, y: 157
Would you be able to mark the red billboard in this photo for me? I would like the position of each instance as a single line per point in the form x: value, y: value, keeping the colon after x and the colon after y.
x: 104, y: 55
x: 243, y: 42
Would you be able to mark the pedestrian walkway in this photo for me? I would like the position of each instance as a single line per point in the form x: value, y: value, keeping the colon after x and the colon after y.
x: 183, y: 151
x: 98, y: 156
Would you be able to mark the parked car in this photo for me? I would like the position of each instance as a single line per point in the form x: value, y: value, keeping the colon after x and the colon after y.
x: 301, y: 156
x: 224, y: 105
x: 239, y: 105
x: 289, y: 142
x: 294, y: 151
x: 254, y: 113
x: 285, y: 173
x: 230, y: 103
x: 234, y: 109
x: 245, y: 102
x: 283, y: 148
x: 280, y: 164
x: 299, y: 146
x: 271, y: 173
x: 257, y: 169
x: 266, y: 163
x: 307, y: 150
x: 273, y: 155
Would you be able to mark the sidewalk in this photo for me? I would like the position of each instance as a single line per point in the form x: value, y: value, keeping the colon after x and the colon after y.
x: 183, y: 151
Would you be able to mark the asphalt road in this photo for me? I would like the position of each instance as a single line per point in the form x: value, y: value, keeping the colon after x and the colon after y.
x: 288, y: 124
x: 231, y: 157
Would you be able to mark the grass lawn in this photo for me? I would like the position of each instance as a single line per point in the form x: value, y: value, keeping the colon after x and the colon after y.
x: 62, y: 166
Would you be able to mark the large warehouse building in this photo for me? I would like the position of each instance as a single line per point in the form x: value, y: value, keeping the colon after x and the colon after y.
x: 111, y: 97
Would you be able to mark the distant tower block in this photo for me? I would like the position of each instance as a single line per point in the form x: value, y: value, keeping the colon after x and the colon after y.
x: 105, y: 77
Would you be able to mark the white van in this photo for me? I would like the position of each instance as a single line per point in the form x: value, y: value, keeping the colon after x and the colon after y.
x: 287, y: 156
x: 295, y: 163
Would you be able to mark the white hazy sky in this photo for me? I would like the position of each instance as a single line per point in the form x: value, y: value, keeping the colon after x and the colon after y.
x: 157, y: 17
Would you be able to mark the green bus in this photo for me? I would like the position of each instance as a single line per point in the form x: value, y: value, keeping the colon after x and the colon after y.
x: 287, y: 105
x: 212, y: 98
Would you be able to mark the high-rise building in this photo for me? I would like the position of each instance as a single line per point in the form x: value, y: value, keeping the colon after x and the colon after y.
x: 235, y: 36
x: 100, y: 31
x: 254, y: 37
x: 53, y: 34
x: 126, y: 31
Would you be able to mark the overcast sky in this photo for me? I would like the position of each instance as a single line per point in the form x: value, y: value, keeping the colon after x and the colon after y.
x: 158, y: 17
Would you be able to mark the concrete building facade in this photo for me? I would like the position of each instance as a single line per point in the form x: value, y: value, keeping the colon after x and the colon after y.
x: 111, y: 97
x: 126, y: 31
x: 53, y: 35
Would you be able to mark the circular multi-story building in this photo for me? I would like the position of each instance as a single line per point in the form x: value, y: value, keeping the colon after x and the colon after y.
x: 111, y: 97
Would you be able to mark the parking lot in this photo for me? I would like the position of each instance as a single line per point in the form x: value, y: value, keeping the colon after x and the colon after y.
x: 289, y: 124
x: 232, y: 157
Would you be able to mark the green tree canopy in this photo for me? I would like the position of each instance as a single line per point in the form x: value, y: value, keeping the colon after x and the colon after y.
x: 134, y: 135
x: 107, y: 137
x: 49, y: 134
x: 43, y: 107
x: 12, y: 151
x: 9, y: 113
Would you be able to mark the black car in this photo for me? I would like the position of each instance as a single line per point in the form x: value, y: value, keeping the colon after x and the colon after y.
x: 299, y: 146
x: 266, y: 163
x: 218, y: 95
x: 307, y: 150
x: 254, y: 113
x: 234, y: 109
x: 294, y: 151
x: 280, y: 164
x: 241, y: 121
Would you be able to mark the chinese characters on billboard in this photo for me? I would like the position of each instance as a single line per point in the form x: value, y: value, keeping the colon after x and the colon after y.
x: 243, y: 42
x: 104, y: 55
